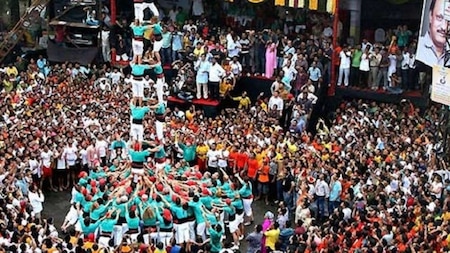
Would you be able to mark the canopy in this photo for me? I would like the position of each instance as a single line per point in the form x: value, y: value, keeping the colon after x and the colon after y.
x: 315, y: 5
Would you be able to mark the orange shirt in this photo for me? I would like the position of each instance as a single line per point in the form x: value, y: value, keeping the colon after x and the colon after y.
x: 241, y: 160
x: 232, y: 159
x: 253, y: 166
x: 264, y: 174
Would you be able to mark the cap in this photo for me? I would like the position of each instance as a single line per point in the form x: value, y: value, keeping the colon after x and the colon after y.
x: 167, y: 215
x: 205, y: 191
x: 311, y: 179
x: 228, y: 201
x: 82, y: 174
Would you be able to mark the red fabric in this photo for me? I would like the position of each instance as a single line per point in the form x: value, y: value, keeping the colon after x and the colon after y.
x: 47, y: 172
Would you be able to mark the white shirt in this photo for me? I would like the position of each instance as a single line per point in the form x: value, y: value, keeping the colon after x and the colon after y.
x: 36, y: 201
x: 84, y: 158
x: 70, y: 154
x: 345, y: 59
x: 216, y: 72
x: 46, y: 158
x: 364, y: 66
x: 405, y: 61
x: 322, y: 188
x: 115, y: 77
x: 212, y: 156
x: 276, y: 101
x: 101, y: 147
x: 34, y: 166
x: 236, y: 68
x: 223, y: 158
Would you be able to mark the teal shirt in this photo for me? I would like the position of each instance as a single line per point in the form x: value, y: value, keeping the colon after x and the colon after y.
x: 207, y: 201
x: 150, y: 221
x: 87, y: 206
x: 139, y: 69
x: 216, y: 240
x: 188, y: 152
x: 162, y: 224
x: 117, y: 144
x: 139, y: 156
x: 179, y: 212
x: 139, y: 112
x: 138, y: 30
x: 160, y: 109
x: 158, y: 69
x: 133, y: 223
x: 157, y: 29
x: 97, y: 213
x: 211, y: 219
x: 90, y: 228
x: 121, y: 207
x: 198, y: 213
x: 161, y: 153
x: 107, y: 225
x: 238, y: 204
x: 245, y: 191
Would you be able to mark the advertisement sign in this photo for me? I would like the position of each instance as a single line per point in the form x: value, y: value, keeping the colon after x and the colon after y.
x: 440, y: 87
x: 432, y: 48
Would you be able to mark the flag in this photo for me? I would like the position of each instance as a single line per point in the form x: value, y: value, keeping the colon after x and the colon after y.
x: 294, y: 3
x: 331, y: 6
x: 313, y: 5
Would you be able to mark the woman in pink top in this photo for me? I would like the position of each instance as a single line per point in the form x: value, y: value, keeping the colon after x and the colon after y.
x: 271, y: 58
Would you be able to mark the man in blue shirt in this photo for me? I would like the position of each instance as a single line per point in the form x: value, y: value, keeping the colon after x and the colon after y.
x: 137, y: 117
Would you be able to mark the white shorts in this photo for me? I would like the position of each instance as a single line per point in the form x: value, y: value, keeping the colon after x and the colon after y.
x: 138, y: 47
x: 137, y: 171
x: 233, y: 225
x: 159, y: 130
x: 181, y: 232
x: 137, y: 86
x: 201, y: 227
x: 157, y: 45
x: 164, y: 237
x: 152, y: 7
x: 240, y: 218
x: 139, y: 11
x: 192, y: 232
x: 137, y: 132
x: 248, y: 207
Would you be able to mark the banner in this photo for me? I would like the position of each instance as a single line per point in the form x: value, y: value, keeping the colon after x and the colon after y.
x: 440, y: 87
x: 432, y: 48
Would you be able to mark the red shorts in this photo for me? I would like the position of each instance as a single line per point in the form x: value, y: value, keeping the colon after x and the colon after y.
x: 46, y: 171
x: 201, y: 163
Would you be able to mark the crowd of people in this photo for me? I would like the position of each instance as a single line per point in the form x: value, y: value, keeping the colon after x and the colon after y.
x: 146, y: 178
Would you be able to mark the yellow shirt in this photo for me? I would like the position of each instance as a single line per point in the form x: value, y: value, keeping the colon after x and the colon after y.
x: 12, y: 70
x: 201, y: 151
x: 243, y: 102
x: 224, y: 88
x: 260, y: 156
x: 197, y: 52
x: 272, y: 238
x: 189, y: 115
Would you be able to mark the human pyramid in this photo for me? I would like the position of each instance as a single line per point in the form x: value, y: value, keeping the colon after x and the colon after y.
x: 145, y: 199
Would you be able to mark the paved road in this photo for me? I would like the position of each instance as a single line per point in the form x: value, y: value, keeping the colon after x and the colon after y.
x: 57, y: 204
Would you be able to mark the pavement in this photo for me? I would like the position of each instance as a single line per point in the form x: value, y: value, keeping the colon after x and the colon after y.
x: 57, y: 205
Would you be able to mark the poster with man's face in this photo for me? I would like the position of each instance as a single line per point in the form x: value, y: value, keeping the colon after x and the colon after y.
x: 431, y: 48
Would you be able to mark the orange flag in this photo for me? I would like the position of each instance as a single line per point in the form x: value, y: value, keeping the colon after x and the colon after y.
x: 313, y: 5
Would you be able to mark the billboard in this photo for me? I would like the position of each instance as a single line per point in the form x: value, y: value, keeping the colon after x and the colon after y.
x: 432, y: 48
x: 440, y: 88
